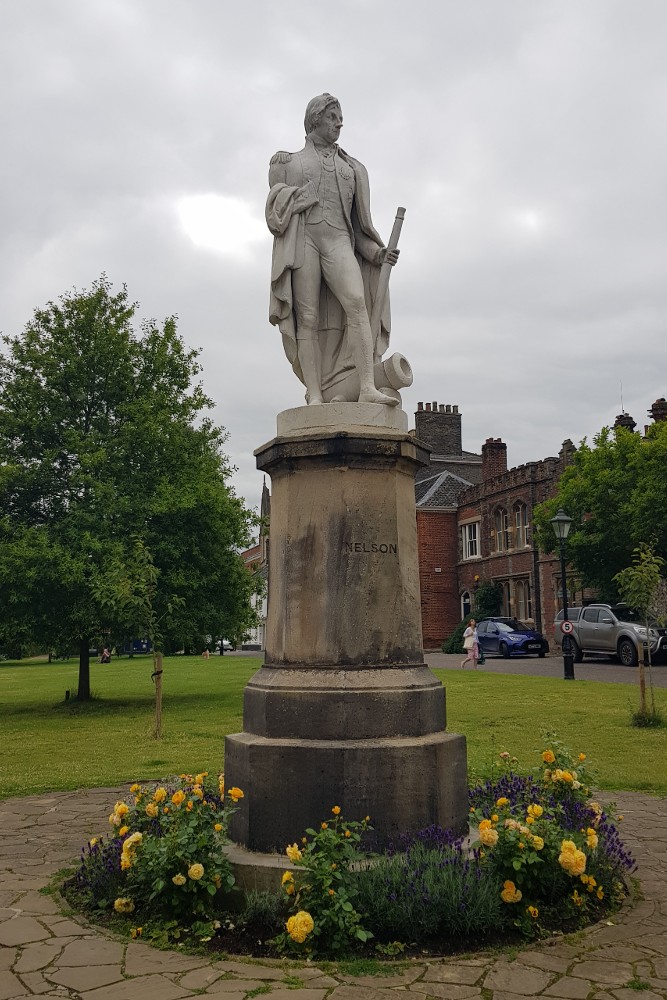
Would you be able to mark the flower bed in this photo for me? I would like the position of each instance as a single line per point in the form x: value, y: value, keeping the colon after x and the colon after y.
x: 546, y: 858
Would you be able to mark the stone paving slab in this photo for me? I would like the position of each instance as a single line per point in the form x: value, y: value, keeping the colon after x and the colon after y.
x: 49, y: 954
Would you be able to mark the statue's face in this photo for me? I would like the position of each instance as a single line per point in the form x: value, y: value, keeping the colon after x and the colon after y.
x: 330, y: 124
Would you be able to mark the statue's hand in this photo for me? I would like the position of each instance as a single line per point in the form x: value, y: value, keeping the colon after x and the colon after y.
x: 388, y: 256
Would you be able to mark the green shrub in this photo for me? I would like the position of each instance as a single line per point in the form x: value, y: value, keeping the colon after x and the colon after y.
x: 165, y: 862
x: 322, y: 889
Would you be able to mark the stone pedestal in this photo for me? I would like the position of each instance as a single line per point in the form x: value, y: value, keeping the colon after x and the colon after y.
x: 344, y: 712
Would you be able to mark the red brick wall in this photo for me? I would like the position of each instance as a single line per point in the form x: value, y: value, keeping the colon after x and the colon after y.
x: 437, y: 540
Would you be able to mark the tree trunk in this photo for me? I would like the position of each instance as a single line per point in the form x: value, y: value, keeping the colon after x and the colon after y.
x: 83, y: 692
x: 642, y: 688
x: 157, y: 677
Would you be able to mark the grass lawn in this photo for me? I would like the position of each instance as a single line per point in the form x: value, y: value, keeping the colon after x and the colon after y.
x: 48, y: 744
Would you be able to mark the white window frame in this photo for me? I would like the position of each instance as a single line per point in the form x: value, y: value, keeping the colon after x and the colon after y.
x: 470, y: 538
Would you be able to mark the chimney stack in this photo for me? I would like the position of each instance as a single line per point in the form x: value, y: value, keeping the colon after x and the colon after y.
x: 625, y: 420
x: 439, y: 428
x: 659, y: 410
x: 494, y: 458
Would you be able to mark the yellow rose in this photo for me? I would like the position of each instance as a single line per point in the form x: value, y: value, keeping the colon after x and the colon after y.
x: 178, y: 797
x: 198, y: 791
x: 592, y: 839
x: 151, y: 810
x: 336, y: 810
x: 179, y: 879
x: 160, y: 794
x: 494, y: 818
x: 535, y: 811
x: 538, y: 843
x: 235, y: 794
x: 199, y: 779
x: 300, y: 926
x: 217, y: 827
x: 488, y: 837
x: 123, y: 830
x: 121, y: 809
x: 484, y: 824
x: 502, y: 801
x: 195, y: 871
x: 293, y: 853
x: 123, y: 905
x: 548, y: 756
x: 510, y: 893
x: 571, y: 859
x: 135, y: 788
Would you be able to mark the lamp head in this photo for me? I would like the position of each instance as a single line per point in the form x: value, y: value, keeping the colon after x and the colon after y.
x: 561, y: 524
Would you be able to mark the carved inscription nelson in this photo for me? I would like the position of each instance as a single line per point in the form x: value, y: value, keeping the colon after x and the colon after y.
x: 385, y: 548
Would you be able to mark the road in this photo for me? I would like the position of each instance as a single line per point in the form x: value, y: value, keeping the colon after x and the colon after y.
x: 596, y: 669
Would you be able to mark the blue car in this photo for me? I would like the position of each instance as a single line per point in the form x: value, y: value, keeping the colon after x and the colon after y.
x: 508, y: 636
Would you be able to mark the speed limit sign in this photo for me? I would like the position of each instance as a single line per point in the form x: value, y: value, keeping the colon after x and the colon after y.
x: 567, y: 628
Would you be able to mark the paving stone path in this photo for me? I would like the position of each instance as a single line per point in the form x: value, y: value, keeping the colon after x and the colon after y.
x: 48, y: 954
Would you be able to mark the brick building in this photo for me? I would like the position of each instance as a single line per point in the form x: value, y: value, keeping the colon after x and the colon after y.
x: 474, y: 523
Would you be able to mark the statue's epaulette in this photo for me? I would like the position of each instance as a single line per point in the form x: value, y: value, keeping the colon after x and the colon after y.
x: 280, y: 157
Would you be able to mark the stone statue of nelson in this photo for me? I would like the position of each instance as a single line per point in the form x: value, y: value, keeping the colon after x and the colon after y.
x: 326, y: 262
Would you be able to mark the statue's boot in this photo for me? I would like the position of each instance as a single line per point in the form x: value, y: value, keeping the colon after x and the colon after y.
x: 360, y: 342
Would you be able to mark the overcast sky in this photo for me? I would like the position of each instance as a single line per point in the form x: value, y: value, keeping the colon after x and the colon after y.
x: 526, y: 139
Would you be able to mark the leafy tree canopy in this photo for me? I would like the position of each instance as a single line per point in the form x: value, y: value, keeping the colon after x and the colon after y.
x: 105, y: 440
x: 615, y: 491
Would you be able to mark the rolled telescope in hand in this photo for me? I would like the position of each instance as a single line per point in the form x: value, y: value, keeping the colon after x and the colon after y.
x: 385, y: 271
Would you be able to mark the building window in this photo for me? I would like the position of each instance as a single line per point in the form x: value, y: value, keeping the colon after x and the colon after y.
x: 466, y: 604
x: 501, y: 530
x: 522, y: 603
x: 521, y: 525
x: 506, y: 603
x: 470, y: 540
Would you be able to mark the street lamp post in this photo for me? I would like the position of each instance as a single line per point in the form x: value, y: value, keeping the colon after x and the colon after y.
x: 561, y: 524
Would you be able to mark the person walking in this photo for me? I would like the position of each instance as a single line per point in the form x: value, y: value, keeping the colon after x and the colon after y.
x: 470, y: 645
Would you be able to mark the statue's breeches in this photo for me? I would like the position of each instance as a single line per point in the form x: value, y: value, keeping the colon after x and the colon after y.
x: 328, y: 255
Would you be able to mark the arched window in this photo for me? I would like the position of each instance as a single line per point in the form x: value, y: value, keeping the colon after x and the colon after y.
x: 522, y: 603
x: 466, y: 604
x: 506, y: 604
x: 501, y: 531
x: 520, y: 525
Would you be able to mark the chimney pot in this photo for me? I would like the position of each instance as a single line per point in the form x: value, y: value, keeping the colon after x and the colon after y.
x: 455, y: 408
x: 428, y: 407
x: 420, y: 406
x: 435, y: 405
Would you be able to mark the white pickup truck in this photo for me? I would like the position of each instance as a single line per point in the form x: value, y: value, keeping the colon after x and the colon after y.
x: 611, y: 629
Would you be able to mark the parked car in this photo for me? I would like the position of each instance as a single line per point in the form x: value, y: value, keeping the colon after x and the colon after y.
x: 508, y: 636
x: 227, y: 646
x: 612, y: 629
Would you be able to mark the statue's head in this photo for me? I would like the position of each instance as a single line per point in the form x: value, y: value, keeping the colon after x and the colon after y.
x: 316, y: 108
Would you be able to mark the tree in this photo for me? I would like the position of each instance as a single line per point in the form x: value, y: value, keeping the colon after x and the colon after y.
x: 615, y: 491
x: 105, y: 438
x: 641, y: 586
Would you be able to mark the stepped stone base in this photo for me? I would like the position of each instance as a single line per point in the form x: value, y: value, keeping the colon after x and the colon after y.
x: 404, y: 784
x: 345, y: 712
